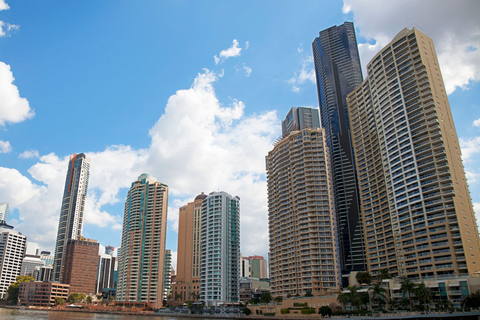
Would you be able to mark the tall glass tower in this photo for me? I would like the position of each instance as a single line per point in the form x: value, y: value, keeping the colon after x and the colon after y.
x: 73, y: 205
x: 338, y: 72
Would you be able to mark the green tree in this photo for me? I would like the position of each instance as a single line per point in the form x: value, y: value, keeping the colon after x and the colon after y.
x: 89, y: 299
x: 407, y: 288
x: 343, y: 299
x: 363, y: 277
x: 355, y: 298
x: 378, y: 293
x: 308, y: 293
x: 59, y: 301
x: 14, y: 288
x: 384, y: 274
x: 266, y: 297
x: 423, y: 294
x: 471, y: 301
x: 325, y: 311
x: 76, y: 297
x: 278, y: 299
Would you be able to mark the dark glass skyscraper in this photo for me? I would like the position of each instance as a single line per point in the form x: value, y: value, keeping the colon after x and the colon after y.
x: 338, y: 72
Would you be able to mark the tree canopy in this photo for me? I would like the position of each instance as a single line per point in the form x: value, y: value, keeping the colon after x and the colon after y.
x: 14, y: 288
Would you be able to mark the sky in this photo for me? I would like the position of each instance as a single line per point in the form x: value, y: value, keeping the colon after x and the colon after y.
x: 191, y: 92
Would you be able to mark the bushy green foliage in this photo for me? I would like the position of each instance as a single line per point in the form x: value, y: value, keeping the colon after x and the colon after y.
x: 307, y: 311
x: 284, y: 311
x: 325, y: 310
x: 269, y: 314
x: 76, y: 297
x: 246, y: 311
x: 300, y: 304
x: 14, y: 288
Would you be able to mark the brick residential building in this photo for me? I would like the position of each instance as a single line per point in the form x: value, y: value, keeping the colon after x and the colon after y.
x: 80, y: 267
x: 41, y: 294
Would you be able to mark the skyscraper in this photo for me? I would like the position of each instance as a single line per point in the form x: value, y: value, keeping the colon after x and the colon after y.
x: 220, y: 248
x: 71, y: 213
x: 3, y: 211
x: 105, y: 271
x: 12, y: 251
x: 301, y: 224
x: 338, y: 72
x: 142, y: 253
x: 167, y: 274
x: 418, y: 214
x: 187, y: 280
x: 299, y: 118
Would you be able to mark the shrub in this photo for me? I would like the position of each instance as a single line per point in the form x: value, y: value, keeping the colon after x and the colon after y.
x: 269, y: 314
x: 325, y: 310
x: 308, y: 311
x: 299, y: 304
x: 284, y: 311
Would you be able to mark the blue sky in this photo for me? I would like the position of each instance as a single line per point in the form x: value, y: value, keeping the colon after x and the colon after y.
x: 136, y: 86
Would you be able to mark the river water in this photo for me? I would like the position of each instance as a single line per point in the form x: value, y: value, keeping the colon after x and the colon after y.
x: 23, y: 314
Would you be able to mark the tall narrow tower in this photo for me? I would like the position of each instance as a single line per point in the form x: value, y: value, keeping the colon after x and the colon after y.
x: 142, y: 253
x: 418, y: 214
x: 303, y: 248
x: 338, y: 72
x: 73, y: 205
x: 220, y: 248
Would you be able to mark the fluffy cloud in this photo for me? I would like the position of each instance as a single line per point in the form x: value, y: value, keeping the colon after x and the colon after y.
x: 6, y: 27
x: 233, y: 51
x: 5, y: 147
x: 28, y: 154
x: 197, y: 145
x: 3, y: 5
x: 476, y: 123
x: 248, y: 70
x: 13, y: 108
x: 469, y: 147
x: 306, y: 74
x: 476, y: 208
x: 444, y: 21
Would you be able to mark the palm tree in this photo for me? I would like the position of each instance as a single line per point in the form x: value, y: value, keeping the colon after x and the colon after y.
x: 384, y: 274
x: 423, y: 294
x: 343, y: 298
x: 378, y: 293
x: 407, y: 287
x: 363, y: 277
x: 355, y: 298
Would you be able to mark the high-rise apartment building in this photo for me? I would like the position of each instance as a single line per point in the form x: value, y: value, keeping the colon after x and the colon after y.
x: 80, y: 265
x: 299, y: 118
x: 3, y: 211
x: 105, y: 271
x: 167, y: 274
x: 301, y: 224
x: 73, y: 204
x: 12, y: 251
x: 187, y: 279
x: 220, y: 248
x: 142, y: 253
x: 418, y: 214
x: 338, y: 72
x: 258, y: 267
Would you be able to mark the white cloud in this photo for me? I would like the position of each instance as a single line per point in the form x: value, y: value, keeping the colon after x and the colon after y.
x: 13, y: 108
x: 3, y: 5
x: 476, y: 123
x: 5, y: 147
x: 197, y: 145
x: 476, y: 208
x: 247, y: 45
x: 469, y: 147
x: 444, y: 21
x: 248, y: 70
x: 300, y: 49
x: 28, y: 154
x: 306, y: 74
x: 233, y: 51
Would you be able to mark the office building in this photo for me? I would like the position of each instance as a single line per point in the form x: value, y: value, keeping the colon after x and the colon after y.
x: 30, y: 264
x: 47, y: 258
x: 105, y: 271
x: 220, y: 249
x: 167, y: 274
x: 43, y: 273
x: 258, y: 267
x: 12, y: 251
x: 245, y: 269
x: 3, y: 211
x: 109, y: 250
x: 301, y: 224
x: 187, y: 279
x: 80, y: 265
x: 73, y: 204
x: 418, y: 214
x: 300, y: 118
x: 41, y: 294
x: 338, y: 72
x: 142, y: 253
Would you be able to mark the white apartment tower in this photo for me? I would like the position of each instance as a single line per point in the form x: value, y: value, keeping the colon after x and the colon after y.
x: 12, y: 251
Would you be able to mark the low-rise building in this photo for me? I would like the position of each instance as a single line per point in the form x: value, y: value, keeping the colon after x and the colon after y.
x: 41, y: 294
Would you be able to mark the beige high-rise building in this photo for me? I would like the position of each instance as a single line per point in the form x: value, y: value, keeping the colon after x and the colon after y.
x: 187, y: 286
x: 303, y: 248
x: 417, y: 211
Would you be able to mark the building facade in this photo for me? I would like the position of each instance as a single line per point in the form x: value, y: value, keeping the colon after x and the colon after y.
x: 301, y: 224
x: 187, y: 279
x: 105, y: 271
x: 142, y: 253
x: 12, y: 251
x: 300, y: 118
x: 167, y: 274
x: 418, y: 214
x: 3, y: 211
x: 30, y: 264
x: 220, y: 248
x: 41, y: 294
x: 80, y: 265
x: 338, y: 72
x: 73, y: 204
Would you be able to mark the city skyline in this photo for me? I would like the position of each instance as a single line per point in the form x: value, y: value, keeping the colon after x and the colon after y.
x: 235, y: 128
